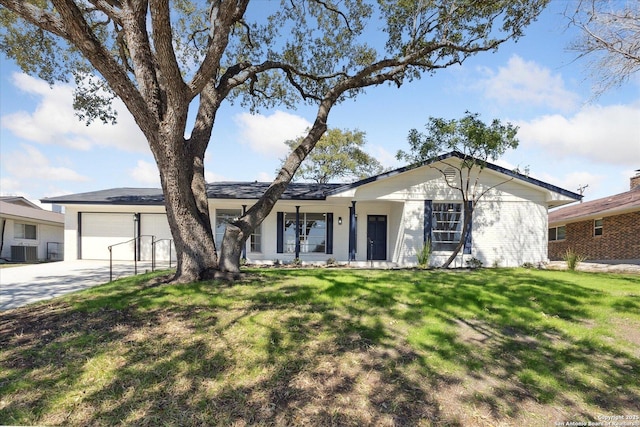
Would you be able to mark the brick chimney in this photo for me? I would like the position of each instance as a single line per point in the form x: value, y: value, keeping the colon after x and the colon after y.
x: 635, y: 181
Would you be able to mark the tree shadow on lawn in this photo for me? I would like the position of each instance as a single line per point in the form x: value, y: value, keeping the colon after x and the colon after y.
x: 363, y: 347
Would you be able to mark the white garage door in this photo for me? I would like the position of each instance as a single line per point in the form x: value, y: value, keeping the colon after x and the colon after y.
x: 100, y: 230
x: 156, y: 225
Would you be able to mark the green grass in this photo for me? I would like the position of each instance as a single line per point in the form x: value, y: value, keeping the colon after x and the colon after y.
x: 329, y: 347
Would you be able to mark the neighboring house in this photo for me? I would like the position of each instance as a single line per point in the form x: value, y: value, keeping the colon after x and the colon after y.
x: 384, y: 219
x: 28, y: 232
x: 602, y: 229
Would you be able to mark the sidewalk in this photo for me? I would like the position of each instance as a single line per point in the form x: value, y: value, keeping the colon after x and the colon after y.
x: 598, y: 267
x: 23, y: 285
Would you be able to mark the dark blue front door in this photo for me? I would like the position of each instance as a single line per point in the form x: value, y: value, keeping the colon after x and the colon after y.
x: 377, y: 237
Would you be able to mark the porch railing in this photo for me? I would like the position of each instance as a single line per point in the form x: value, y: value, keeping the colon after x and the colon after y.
x: 153, y: 252
x: 136, y: 253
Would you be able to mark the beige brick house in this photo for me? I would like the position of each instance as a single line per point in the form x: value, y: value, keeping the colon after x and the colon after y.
x: 602, y: 229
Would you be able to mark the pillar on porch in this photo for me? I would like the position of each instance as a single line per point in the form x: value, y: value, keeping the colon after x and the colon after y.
x: 244, y: 247
x: 352, y: 231
x: 297, y: 232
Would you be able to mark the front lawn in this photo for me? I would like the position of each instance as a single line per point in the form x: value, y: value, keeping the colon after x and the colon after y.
x: 329, y: 347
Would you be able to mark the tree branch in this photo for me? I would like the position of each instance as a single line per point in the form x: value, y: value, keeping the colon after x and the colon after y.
x: 109, y: 8
x: 224, y: 14
x: 80, y: 35
x: 336, y: 11
x: 37, y: 16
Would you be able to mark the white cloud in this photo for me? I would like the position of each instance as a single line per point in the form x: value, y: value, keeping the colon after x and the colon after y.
x: 265, y: 177
x: 54, y: 122
x: 10, y: 187
x: 603, y: 134
x: 146, y: 173
x: 30, y: 164
x: 573, y: 181
x: 526, y: 82
x: 267, y: 134
x: 385, y: 157
x: 213, y: 177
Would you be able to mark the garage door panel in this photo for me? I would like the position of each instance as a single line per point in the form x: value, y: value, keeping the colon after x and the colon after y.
x: 156, y: 225
x: 100, y: 230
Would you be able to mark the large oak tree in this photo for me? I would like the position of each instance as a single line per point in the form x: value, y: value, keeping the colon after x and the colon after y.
x: 163, y: 57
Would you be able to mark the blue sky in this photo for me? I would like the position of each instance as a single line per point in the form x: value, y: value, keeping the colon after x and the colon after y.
x: 566, y: 137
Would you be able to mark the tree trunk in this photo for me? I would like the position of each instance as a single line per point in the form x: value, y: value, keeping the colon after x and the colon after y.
x: 231, y: 249
x: 236, y: 234
x: 188, y: 212
x: 468, y: 213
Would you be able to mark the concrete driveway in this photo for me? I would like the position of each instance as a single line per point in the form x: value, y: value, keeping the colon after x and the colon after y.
x: 35, y: 282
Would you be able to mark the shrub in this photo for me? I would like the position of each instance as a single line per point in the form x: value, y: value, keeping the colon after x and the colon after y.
x: 424, y: 254
x: 573, y: 259
x: 474, y: 263
x: 331, y: 262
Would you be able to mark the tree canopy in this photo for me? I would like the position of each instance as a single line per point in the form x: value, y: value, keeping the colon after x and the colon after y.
x: 337, y: 156
x: 164, y: 58
x: 469, y: 135
x: 609, y: 39
x: 476, y: 142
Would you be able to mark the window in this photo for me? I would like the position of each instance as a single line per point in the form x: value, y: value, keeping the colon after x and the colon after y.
x: 255, y: 240
x: 446, y: 226
x: 313, y: 232
x: 557, y: 233
x: 24, y: 231
x: 224, y: 216
x: 597, y: 227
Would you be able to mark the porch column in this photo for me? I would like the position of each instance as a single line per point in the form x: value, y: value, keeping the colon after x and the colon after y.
x: 79, y: 240
x: 352, y: 231
x: 137, y: 225
x: 244, y: 248
x: 297, y: 232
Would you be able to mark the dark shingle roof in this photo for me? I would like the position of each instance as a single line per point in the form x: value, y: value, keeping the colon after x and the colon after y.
x: 254, y: 190
x: 215, y: 190
x: 113, y: 196
x: 629, y: 200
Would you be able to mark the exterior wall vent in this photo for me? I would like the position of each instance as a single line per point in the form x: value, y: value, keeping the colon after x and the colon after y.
x: 450, y: 174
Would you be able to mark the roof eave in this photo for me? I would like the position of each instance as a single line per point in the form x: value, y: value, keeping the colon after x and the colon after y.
x: 595, y: 215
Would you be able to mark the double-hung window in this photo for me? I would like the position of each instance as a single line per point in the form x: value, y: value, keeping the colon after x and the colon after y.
x: 225, y: 216
x: 597, y: 227
x: 557, y: 233
x: 313, y: 232
x: 25, y: 231
x: 446, y: 226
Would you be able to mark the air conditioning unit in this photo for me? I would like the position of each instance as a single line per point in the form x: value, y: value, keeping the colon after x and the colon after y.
x: 24, y: 253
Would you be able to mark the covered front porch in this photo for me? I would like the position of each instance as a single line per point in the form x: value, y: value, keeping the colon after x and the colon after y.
x: 383, y: 234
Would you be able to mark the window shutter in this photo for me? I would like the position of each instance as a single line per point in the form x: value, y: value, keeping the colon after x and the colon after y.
x: 467, y: 238
x: 280, y: 232
x: 329, y: 246
x: 428, y: 214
